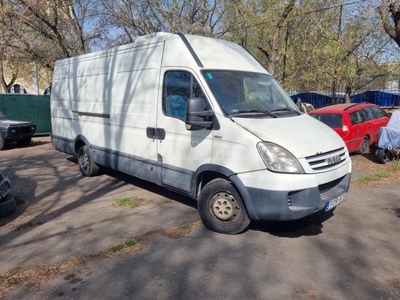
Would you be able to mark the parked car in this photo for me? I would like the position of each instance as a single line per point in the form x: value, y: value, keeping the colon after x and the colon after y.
x: 7, y: 201
x: 15, y: 131
x: 357, y: 123
x: 389, y: 140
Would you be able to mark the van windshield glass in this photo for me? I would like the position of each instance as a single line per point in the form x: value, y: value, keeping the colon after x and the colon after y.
x: 249, y: 93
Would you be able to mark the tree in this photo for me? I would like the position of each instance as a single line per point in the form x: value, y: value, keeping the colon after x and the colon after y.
x: 270, y: 47
x: 389, y: 11
x: 133, y: 18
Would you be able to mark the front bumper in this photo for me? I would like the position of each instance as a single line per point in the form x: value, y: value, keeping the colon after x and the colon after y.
x: 291, y: 202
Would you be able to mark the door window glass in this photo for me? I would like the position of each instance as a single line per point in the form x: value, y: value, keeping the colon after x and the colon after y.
x: 369, y: 113
x: 357, y: 117
x: 379, y: 112
x: 178, y: 87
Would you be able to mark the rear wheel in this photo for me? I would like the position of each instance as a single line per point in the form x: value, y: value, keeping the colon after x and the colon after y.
x: 364, y: 145
x: 383, y: 155
x: 24, y: 142
x: 86, y: 164
x: 221, y: 208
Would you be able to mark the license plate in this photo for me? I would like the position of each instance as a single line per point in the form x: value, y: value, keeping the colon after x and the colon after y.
x: 335, y: 202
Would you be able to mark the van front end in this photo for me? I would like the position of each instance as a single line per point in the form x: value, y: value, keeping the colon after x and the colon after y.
x: 322, y: 184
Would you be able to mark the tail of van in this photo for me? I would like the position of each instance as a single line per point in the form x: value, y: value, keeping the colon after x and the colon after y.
x: 202, y: 117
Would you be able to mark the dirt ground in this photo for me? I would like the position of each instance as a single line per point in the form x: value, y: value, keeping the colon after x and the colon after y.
x: 363, y: 166
x: 65, y: 220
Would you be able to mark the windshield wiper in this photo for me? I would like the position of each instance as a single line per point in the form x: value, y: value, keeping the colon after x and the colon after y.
x: 241, y: 112
x: 287, y: 109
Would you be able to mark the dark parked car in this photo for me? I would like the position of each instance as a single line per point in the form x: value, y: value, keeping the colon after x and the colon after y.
x: 358, y: 124
x: 18, y: 131
x: 7, y: 201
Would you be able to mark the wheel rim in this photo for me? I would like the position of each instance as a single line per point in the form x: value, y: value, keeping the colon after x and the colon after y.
x: 224, y: 206
x: 365, y: 144
x: 84, y: 161
x: 386, y: 156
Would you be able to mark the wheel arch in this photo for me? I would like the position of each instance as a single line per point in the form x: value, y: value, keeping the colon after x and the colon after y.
x: 209, y: 172
x: 80, y: 141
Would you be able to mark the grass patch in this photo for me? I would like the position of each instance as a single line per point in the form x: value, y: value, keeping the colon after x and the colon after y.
x: 373, y: 177
x: 117, y: 248
x: 396, y: 165
x: 130, y: 243
x: 126, y: 244
x: 125, y: 202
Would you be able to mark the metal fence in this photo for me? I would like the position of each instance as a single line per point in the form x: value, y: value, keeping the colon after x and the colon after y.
x: 32, y: 108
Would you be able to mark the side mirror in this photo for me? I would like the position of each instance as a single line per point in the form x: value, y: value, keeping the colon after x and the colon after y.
x: 197, y: 116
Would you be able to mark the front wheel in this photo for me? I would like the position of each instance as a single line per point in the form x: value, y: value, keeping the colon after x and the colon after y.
x: 383, y: 155
x: 86, y: 164
x: 221, y: 208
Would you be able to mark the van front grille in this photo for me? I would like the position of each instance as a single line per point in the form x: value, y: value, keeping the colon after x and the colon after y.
x: 328, y: 160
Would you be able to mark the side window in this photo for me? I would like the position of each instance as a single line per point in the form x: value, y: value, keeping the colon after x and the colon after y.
x: 379, y: 112
x: 357, y: 117
x: 178, y: 87
x: 369, y: 113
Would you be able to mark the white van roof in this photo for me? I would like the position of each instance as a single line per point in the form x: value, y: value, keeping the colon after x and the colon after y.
x: 206, y: 52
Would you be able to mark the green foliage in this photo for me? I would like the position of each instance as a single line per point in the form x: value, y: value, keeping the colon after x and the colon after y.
x: 126, y: 244
x: 374, y: 177
x: 125, y: 202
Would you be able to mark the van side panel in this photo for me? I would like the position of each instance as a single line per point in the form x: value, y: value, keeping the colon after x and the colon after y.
x: 110, y: 99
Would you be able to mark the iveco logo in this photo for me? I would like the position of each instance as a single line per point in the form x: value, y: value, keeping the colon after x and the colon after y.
x: 333, y: 160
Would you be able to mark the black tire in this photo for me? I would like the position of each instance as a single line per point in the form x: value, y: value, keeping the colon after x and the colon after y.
x: 383, y: 155
x: 2, y: 143
x: 364, y: 145
x: 8, y: 206
x: 24, y: 142
x: 221, y: 208
x: 86, y: 165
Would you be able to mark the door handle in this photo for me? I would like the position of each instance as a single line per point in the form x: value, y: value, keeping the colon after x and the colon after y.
x: 151, y: 133
x: 160, y: 133
x: 155, y: 133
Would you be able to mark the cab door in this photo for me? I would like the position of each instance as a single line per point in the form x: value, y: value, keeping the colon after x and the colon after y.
x: 180, y: 151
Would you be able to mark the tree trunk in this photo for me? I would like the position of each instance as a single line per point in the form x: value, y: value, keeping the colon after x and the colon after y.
x: 389, y: 11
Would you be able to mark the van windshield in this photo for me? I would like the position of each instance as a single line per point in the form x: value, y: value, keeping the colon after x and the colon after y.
x: 240, y: 93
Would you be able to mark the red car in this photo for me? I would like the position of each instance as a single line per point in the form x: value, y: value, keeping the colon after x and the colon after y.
x: 357, y: 123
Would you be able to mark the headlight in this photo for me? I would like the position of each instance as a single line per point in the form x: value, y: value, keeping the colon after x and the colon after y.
x: 13, y: 130
x: 278, y: 159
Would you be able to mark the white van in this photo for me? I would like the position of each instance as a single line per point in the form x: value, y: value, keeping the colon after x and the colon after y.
x: 202, y: 117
